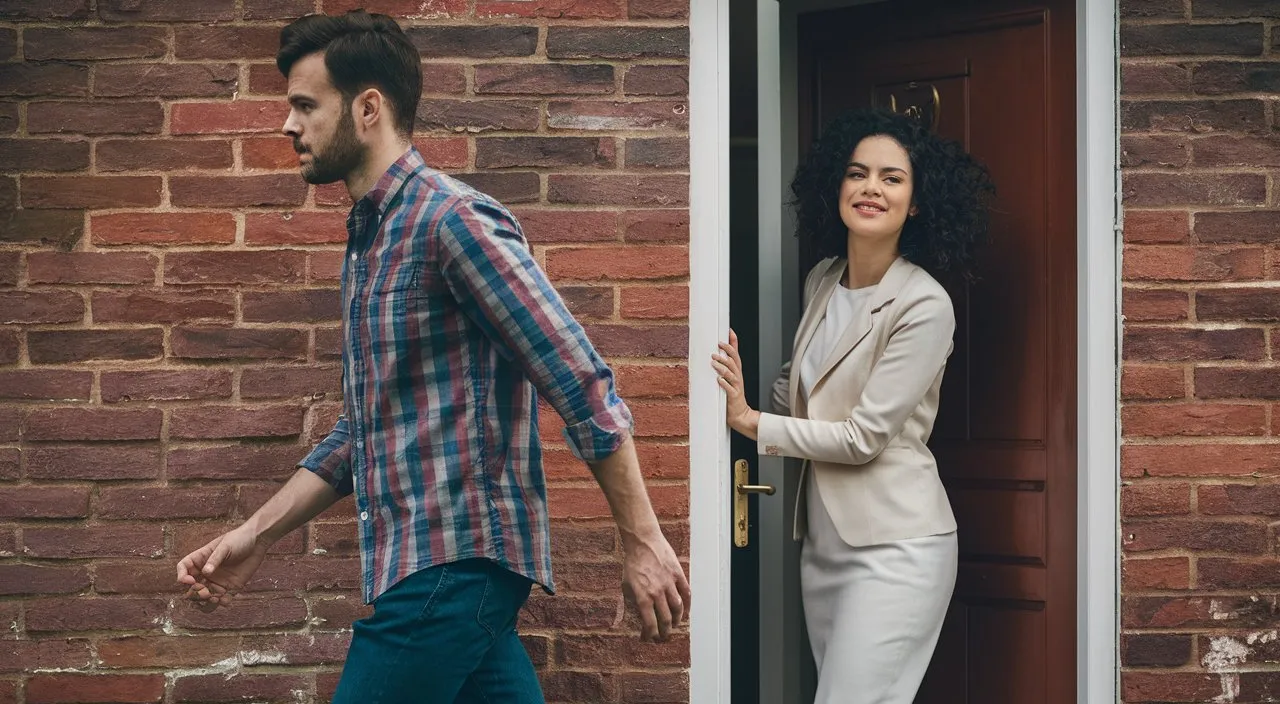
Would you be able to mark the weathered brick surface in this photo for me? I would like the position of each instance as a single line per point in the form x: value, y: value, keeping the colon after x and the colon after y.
x: 1200, y: 462
x: 169, y: 322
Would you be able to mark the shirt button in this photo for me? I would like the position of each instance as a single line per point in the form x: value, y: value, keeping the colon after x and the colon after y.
x: 354, y: 256
x: 364, y: 515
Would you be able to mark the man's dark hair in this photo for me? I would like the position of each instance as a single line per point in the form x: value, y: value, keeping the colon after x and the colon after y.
x: 361, y: 50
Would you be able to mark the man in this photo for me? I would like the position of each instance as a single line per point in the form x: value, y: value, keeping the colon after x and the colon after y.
x: 451, y: 330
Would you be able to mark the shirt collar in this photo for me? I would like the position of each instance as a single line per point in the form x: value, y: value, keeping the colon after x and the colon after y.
x: 388, y: 185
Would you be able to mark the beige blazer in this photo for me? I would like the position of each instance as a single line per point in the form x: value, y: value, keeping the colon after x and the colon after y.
x: 865, y: 426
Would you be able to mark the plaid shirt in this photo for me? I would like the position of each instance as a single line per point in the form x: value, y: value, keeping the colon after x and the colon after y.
x: 450, y: 333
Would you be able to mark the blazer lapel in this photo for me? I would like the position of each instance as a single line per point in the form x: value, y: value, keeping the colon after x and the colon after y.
x: 813, y: 315
x: 886, y: 291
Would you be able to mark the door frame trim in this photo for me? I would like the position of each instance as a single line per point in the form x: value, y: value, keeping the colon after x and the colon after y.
x: 1098, y: 334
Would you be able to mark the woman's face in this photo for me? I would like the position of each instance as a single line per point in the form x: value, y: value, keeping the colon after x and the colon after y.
x: 875, y: 195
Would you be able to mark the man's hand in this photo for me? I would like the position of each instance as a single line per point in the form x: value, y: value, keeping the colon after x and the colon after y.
x: 215, y: 572
x: 654, y: 584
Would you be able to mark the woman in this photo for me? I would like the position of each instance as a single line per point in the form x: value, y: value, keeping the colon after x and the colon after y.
x: 883, y: 200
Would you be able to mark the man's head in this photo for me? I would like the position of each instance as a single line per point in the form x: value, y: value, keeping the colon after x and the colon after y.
x: 354, y: 80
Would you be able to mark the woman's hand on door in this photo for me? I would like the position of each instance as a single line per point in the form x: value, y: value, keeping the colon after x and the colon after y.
x: 728, y: 365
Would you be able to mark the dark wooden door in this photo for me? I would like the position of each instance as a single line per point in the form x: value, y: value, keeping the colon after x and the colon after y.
x: 998, y: 76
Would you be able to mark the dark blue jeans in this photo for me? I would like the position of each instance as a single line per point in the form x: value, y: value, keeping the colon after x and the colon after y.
x: 444, y: 635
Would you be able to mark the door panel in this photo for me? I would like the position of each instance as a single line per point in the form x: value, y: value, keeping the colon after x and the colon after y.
x: 997, y: 76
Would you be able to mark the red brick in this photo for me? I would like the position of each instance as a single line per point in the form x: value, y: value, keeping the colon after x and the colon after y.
x: 1198, y: 612
x: 93, y: 43
x: 544, y: 79
x: 484, y: 41
x: 1237, y: 573
x: 167, y: 651
x: 443, y: 79
x: 617, y: 263
x: 90, y: 191
x: 268, y: 153
x: 1168, y: 189
x: 100, y: 462
x: 45, y: 9
x: 576, y: 503
x: 165, y: 385
x: 161, y: 503
x: 658, y: 9
x: 156, y: 576
x: 557, y: 9
x: 337, y: 613
x: 55, y: 346
x: 1195, y: 534
x: 1168, y: 687
x: 304, y: 649
x: 276, y: 9
x: 10, y: 425
x: 1227, y: 382
x: 218, y: 342
x: 259, y: 267
x: 312, y: 383
x: 162, y: 306
x: 44, y: 154
x: 163, y: 228
x: 1201, y: 460
x: 9, y: 352
x: 504, y: 152
x: 1156, y: 573
x: 237, y: 191
x: 1155, y: 305
x: 332, y: 194
x: 43, y: 502
x: 229, y: 118
x: 1180, y: 39
x: 324, y: 267
x: 95, y: 117
x: 631, y: 191
x: 242, y: 687
x: 658, y: 153
x: 1145, y: 499
x: 91, y: 268
x: 443, y: 152
x: 44, y: 385
x: 653, y: 687
x: 655, y: 302
x: 295, y: 228
x: 601, y: 115
x: 505, y: 186
x: 162, y: 155
x: 300, y: 306
x: 26, y: 307
x: 574, y: 686
x: 1139, y: 79
x: 660, y: 419
x: 657, y: 80
x: 44, y: 80
x: 10, y: 264
x: 1235, y: 150
x: 87, y: 614
x: 107, y: 689
x: 235, y: 462
x: 570, y: 612
x: 17, y: 579
x: 328, y: 343
x: 1262, y: 227
x: 216, y: 422
x: 1164, y: 420
x: 1153, y: 9
x: 478, y: 115
x: 265, y: 79
x: 8, y: 117
x: 656, y: 225
x: 542, y: 226
x: 1239, y: 499
x: 1192, y: 116
x: 167, y: 10
x: 276, y: 612
x: 1173, y: 345
x: 588, y: 301
x: 46, y: 654
x: 1154, y: 151
x: 640, y: 341
x: 231, y: 43
x: 166, y: 81
x: 665, y: 381
x: 337, y: 539
x: 565, y: 42
x: 45, y: 424
x: 1146, y: 382
x: 408, y: 9
x: 1254, y: 305
x: 307, y: 573
x: 96, y: 541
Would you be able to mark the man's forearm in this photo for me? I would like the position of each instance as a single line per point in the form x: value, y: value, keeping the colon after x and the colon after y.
x: 619, y: 477
x: 302, y: 498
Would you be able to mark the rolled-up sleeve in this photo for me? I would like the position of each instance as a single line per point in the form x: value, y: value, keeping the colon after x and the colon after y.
x: 331, y: 459
x: 491, y: 272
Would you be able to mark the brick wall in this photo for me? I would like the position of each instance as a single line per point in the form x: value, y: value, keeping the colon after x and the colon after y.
x: 170, y: 335
x: 1201, y: 455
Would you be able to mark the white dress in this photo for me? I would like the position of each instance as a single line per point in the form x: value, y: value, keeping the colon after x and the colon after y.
x: 873, y: 613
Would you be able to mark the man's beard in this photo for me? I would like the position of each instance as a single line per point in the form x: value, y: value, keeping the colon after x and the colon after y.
x: 342, y: 155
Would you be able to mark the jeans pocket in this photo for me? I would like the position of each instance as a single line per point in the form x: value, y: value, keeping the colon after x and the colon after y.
x: 504, y: 594
x: 438, y: 593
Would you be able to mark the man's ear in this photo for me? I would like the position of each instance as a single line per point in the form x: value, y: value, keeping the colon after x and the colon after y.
x: 370, y: 107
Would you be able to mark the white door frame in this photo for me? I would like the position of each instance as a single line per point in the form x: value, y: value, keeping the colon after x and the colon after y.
x: 1098, y: 224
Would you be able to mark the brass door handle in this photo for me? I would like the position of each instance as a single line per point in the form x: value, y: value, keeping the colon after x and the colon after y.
x: 741, y: 489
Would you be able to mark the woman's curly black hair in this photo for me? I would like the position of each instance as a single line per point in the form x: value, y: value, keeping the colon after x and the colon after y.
x: 951, y: 192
